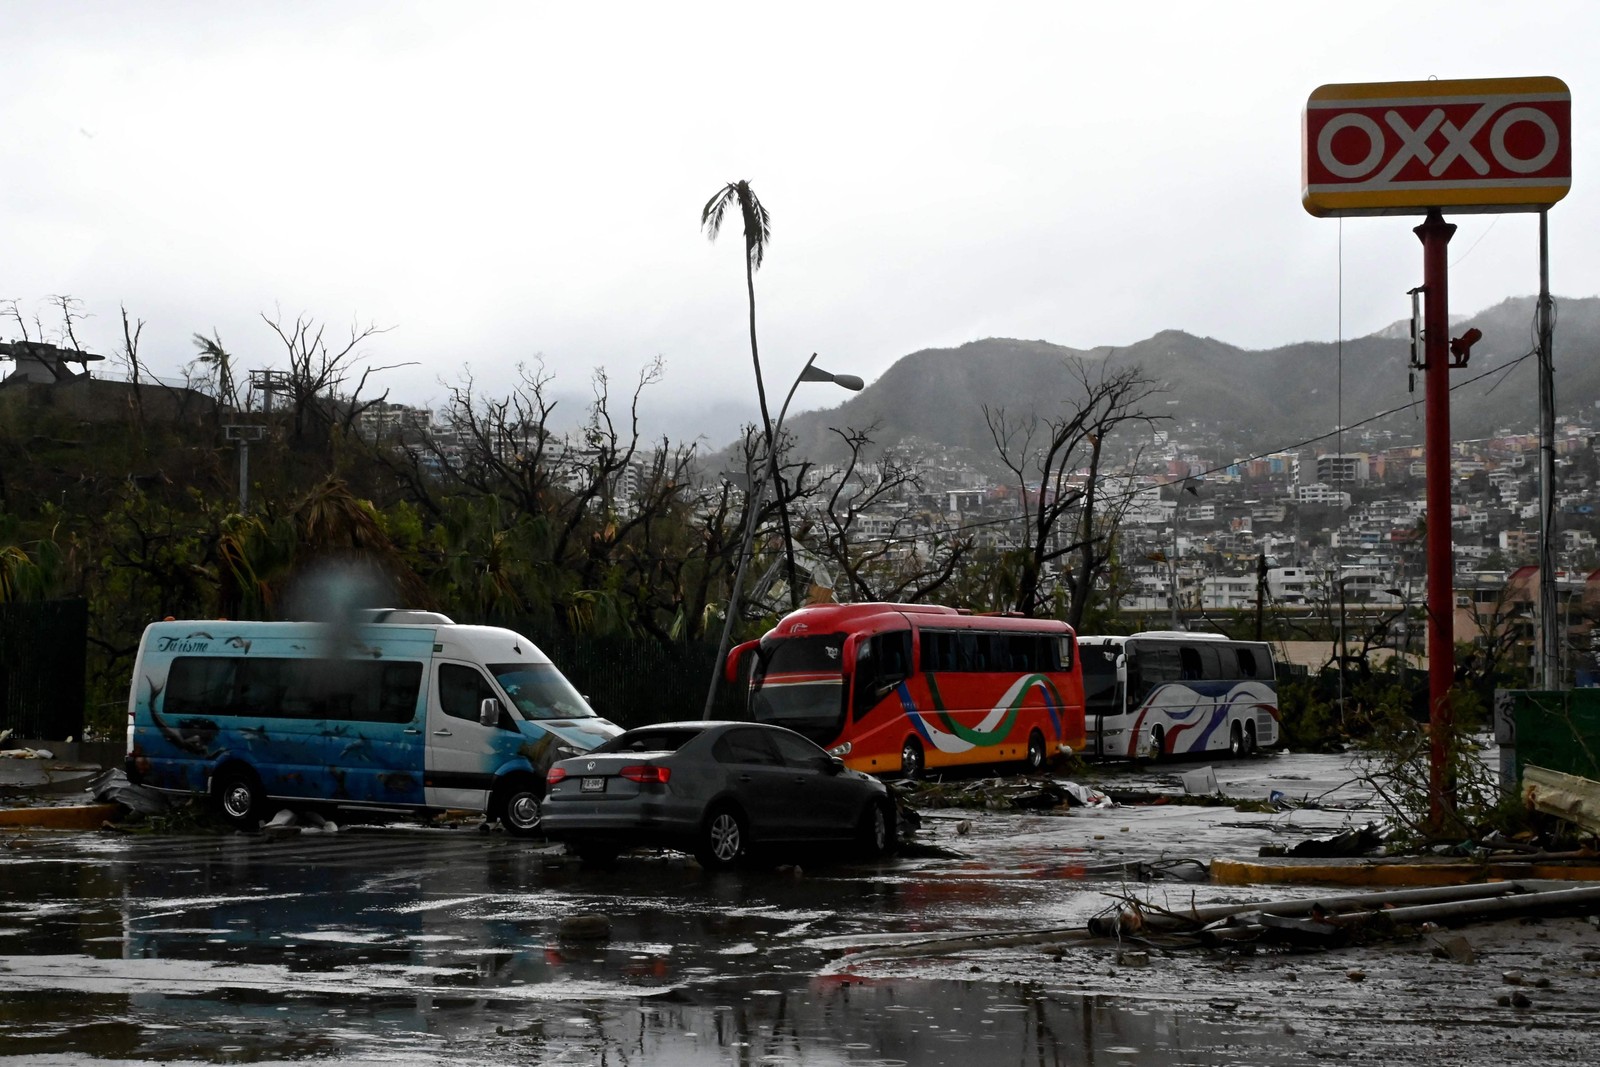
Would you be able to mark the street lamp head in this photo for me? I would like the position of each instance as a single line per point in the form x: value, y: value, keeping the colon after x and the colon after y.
x: 814, y: 373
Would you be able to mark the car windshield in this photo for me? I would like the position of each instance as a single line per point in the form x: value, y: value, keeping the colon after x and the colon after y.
x: 539, y: 691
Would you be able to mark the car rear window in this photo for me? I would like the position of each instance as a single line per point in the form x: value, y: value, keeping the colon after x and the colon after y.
x: 649, y: 740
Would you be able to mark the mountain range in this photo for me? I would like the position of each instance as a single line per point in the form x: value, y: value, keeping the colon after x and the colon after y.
x: 1247, y: 401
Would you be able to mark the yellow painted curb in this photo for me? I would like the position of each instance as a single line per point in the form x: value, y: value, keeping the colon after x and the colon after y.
x: 82, y: 817
x: 1282, y: 871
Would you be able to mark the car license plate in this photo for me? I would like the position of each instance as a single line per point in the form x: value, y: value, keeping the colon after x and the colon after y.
x: 594, y: 785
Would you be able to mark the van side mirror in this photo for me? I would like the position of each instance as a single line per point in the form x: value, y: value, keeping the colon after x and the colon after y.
x: 489, y: 712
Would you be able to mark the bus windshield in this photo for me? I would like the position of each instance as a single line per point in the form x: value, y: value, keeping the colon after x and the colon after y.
x: 799, y: 683
x: 1099, y: 677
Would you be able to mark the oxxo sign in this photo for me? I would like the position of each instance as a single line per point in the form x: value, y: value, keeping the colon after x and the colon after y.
x: 1403, y: 148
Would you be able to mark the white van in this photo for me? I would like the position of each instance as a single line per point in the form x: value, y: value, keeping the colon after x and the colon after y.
x: 404, y: 710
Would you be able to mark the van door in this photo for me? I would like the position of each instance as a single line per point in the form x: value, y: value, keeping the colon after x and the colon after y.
x: 462, y: 752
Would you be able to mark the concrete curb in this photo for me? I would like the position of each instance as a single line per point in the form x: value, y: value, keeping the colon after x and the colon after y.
x: 1400, y: 872
x: 82, y: 817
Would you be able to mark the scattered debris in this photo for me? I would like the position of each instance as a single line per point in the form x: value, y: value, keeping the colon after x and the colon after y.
x: 1566, y: 796
x: 1202, y: 782
x: 287, y: 823
x: 113, y: 787
x: 1002, y: 794
x: 1334, y: 921
x: 1455, y: 948
x: 1357, y: 841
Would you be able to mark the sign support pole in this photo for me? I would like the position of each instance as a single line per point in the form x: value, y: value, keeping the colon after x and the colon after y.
x: 1549, y: 641
x: 1435, y: 235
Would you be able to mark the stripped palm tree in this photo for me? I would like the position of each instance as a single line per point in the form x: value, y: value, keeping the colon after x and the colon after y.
x: 757, y: 234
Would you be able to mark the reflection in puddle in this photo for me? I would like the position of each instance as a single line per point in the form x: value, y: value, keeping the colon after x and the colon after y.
x: 268, y: 952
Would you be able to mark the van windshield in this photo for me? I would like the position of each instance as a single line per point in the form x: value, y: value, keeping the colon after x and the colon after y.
x: 540, y: 691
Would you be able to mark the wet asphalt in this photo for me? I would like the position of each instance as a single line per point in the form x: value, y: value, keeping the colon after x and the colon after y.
x: 414, y: 945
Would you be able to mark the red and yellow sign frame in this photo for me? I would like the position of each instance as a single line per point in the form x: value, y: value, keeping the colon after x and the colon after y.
x: 1405, y: 148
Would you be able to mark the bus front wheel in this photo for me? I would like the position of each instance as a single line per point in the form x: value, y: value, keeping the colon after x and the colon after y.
x: 911, y: 762
x: 1158, y: 743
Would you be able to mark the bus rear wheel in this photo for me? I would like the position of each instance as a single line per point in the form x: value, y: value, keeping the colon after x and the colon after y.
x: 911, y: 762
x: 1036, y: 757
x: 1250, y: 745
x: 1236, y: 745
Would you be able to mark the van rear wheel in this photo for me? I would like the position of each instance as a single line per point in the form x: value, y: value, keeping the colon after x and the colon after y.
x: 240, y: 796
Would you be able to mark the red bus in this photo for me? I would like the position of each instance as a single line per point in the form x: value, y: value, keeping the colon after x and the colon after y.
x: 912, y: 687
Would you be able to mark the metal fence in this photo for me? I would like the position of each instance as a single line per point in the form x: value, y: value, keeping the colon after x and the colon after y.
x: 42, y: 648
x: 635, y: 681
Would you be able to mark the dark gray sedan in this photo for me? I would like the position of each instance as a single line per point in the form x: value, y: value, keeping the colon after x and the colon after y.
x: 715, y: 789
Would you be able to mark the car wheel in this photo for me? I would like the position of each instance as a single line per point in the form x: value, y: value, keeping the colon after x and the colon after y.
x: 724, y: 839
x: 1036, y: 756
x: 595, y: 855
x: 1250, y: 745
x: 1158, y: 743
x: 876, y: 833
x: 516, y: 806
x: 240, y: 796
x: 1236, y: 742
x: 911, y: 761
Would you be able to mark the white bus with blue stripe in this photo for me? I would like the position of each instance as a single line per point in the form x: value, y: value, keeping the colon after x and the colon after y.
x: 1162, y: 693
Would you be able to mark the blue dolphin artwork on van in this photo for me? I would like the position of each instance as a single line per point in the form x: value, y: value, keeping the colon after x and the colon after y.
x: 404, y: 711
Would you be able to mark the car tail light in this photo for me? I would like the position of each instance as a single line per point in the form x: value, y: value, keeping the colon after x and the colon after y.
x: 554, y: 775
x: 646, y: 774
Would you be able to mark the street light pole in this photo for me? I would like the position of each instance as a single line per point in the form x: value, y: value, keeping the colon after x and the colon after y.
x: 758, y: 491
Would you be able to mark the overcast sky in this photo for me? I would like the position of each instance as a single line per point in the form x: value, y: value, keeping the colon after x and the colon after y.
x: 503, y: 182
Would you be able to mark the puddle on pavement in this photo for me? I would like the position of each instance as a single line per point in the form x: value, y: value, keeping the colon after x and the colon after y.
x: 447, y: 949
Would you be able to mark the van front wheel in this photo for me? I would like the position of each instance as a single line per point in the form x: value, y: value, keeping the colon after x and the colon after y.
x: 516, y: 806
x: 240, y: 796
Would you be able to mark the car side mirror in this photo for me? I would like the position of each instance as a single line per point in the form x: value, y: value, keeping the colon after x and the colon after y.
x: 489, y: 712
x: 835, y: 765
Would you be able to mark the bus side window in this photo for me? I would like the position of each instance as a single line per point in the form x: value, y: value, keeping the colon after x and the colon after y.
x: 894, y: 656
x: 1152, y: 666
x: 1189, y: 664
x: 1064, y: 656
x: 1247, y: 663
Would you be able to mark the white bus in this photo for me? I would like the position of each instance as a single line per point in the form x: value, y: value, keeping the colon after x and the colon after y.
x: 406, y: 710
x: 1164, y: 693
